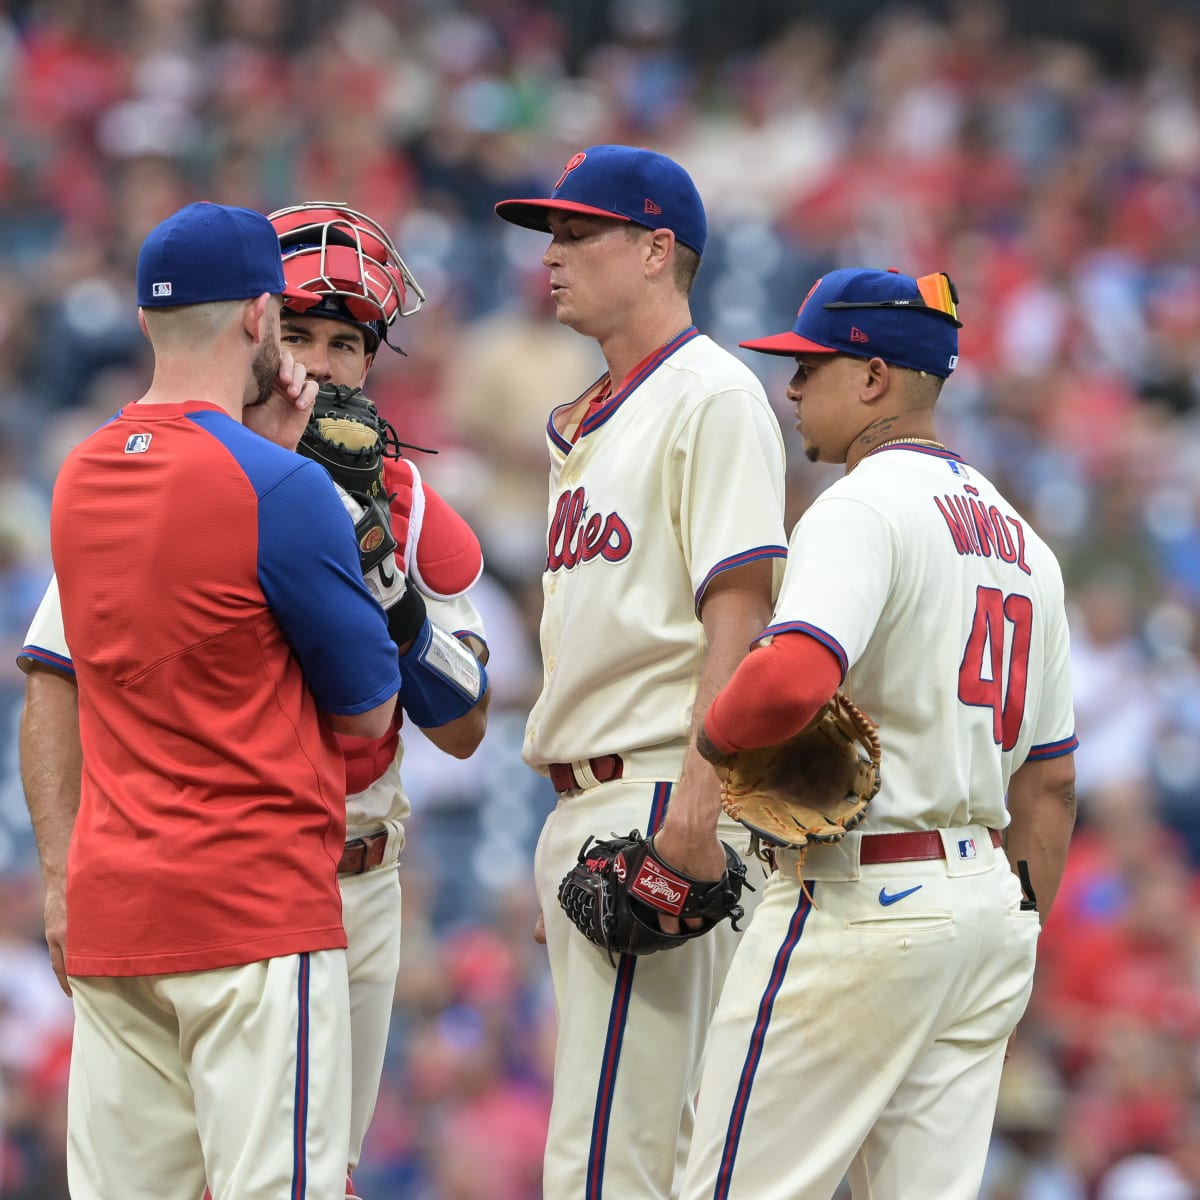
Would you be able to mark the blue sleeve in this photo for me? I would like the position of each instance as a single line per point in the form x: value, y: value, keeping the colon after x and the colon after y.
x: 309, y: 570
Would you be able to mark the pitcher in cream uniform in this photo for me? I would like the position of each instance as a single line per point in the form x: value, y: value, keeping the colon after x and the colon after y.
x: 664, y: 551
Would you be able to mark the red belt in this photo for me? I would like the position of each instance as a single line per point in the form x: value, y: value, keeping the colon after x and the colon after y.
x: 361, y: 854
x: 906, y: 847
x: 605, y: 768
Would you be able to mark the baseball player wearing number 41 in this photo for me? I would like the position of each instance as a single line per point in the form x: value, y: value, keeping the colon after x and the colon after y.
x: 875, y: 990
x: 655, y: 582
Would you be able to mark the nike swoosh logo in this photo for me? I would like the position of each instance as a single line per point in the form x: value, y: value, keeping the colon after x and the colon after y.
x: 885, y: 899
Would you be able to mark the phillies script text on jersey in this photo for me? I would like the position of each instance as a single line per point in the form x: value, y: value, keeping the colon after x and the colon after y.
x: 984, y: 531
x: 575, y: 537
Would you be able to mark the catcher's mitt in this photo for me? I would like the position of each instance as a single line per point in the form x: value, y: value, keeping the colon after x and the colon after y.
x: 815, y: 787
x: 616, y: 890
x: 348, y: 437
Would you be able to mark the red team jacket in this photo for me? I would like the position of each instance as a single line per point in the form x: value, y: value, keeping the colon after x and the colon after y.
x: 197, y: 565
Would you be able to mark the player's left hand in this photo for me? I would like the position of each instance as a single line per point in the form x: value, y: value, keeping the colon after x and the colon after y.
x: 698, y: 853
x: 283, y: 418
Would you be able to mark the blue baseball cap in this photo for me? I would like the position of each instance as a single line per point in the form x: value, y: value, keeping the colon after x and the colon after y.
x: 907, y: 322
x: 623, y: 182
x: 210, y: 252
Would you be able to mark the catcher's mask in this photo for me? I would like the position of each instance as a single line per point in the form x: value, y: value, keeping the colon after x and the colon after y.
x: 350, y: 263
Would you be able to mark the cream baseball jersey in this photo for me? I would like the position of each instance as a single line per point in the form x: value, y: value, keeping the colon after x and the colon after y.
x: 946, y: 611
x: 677, y: 477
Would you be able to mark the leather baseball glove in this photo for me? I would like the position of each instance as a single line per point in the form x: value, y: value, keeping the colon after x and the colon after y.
x: 815, y: 787
x: 348, y: 437
x: 616, y: 890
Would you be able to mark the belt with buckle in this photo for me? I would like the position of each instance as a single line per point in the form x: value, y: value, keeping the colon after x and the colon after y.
x: 362, y: 853
x: 605, y: 769
x: 907, y: 847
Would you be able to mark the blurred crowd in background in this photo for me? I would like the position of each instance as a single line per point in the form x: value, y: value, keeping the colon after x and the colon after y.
x: 1046, y: 156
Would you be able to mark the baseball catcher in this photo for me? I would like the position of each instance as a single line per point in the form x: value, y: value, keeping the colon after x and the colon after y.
x: 814, y: 787
x: 617, y: 889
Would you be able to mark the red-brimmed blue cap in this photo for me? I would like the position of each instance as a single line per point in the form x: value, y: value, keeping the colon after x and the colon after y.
x: 865, y: 313
x: 623, y: 182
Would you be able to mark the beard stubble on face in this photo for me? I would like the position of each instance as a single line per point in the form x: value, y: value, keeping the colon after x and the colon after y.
x: 266, y: 369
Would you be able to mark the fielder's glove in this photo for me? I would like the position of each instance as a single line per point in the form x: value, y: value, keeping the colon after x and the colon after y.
x: 616, y: 890
x: 815, y: 787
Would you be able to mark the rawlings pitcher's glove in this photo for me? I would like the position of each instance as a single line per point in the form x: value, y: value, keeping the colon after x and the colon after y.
x: 348, y: 437
x: 815, y: 787
x: 616, y: 890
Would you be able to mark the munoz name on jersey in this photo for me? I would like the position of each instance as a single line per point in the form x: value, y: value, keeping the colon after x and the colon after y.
x: 982, y: 529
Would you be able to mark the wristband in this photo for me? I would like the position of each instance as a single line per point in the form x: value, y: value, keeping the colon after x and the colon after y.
x: 442, y: 679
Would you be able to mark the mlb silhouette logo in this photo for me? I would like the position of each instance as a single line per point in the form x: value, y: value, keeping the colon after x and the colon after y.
x: 138, y: 443
x: 966, y: 848
x: 161, y: 289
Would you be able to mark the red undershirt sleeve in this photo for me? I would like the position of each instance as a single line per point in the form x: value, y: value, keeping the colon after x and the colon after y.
x: 774, y: 693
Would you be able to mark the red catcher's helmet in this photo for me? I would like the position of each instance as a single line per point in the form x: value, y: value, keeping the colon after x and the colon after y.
x: 350, y: 262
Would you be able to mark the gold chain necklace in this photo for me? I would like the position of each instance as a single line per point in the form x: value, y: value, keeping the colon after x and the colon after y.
x: 911, y: 441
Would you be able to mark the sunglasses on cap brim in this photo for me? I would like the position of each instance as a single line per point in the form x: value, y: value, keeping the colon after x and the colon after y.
x: 938, y: 295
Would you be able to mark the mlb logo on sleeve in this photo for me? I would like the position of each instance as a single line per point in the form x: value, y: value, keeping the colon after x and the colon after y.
x: 966, y: 848
x: 138, y: 443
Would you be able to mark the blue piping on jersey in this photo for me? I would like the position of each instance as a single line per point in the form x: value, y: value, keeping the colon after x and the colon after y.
x: 826, y: 639
x: 618, y: 1013
x: 1053, y: 749
x: 49, y: 658
x: 737, y: 560
x: 758, y: 1035
x: 300, y: 1115
x: 615, y: 401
